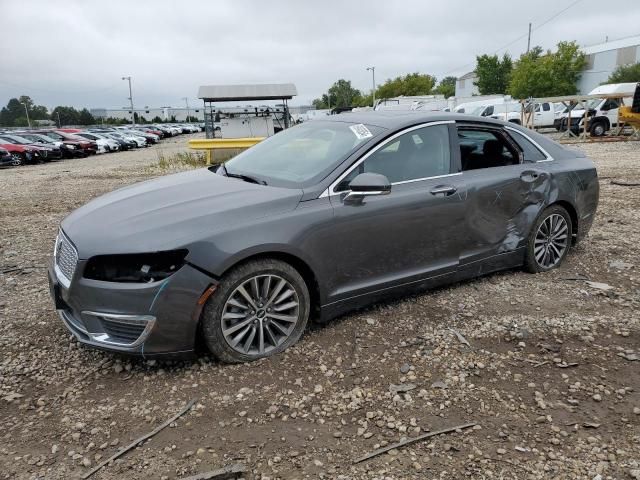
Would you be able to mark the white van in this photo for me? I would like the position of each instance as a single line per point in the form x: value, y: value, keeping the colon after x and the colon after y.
x: 537, y: 114
x: 603, y: 112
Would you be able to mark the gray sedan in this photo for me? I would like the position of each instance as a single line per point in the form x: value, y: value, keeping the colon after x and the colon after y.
x: 325, y: 217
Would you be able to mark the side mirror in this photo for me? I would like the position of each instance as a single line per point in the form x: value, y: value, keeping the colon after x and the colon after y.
x: 368, y: 184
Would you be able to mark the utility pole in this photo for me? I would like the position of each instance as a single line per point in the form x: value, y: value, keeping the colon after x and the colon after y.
x: 27, y: 112
x: 186, y: 100
x: 133, y: 119
x: 58, y: 115
x: 529, y: 38
x: 373, y: 75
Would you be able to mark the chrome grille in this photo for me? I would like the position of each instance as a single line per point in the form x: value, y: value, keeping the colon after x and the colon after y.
x: 66, y: 256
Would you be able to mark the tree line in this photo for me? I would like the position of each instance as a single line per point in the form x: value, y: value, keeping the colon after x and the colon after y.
x: 536, y: 73
x: 14, y: 114
x: 343, y: 94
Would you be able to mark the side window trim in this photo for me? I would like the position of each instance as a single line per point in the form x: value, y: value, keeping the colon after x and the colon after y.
x: 537, y: 145
x: 331, y: 190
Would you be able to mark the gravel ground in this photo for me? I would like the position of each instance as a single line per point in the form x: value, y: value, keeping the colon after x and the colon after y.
x: 550, y: 375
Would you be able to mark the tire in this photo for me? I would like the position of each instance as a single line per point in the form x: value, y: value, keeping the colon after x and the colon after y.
x: 554, y: 247
x: 17, y: 160
x: 243, y: 324
x: 598, y: 129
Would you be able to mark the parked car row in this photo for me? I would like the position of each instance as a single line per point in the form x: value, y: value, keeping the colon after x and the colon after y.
x: 20, y: 147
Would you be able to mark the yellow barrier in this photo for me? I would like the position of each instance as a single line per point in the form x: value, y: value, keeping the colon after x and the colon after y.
x: 211, y: 144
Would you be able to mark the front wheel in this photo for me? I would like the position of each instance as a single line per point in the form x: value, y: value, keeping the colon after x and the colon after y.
x: 16, y: 160
x: 598, y: 129
x: 549, y: 240
x: 259, y: 309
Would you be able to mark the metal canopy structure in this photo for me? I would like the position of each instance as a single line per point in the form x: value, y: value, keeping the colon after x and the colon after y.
x: 243, y: 93
x: 570, y: 101
x: 231, y: 93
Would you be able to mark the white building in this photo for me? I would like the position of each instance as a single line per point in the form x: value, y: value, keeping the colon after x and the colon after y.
x: 465, y: 85
x: 604, y: 58
x: 177, y: 114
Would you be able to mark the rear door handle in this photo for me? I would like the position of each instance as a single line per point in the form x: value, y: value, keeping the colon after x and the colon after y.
x: 531, y: 175
x: 444, y: 190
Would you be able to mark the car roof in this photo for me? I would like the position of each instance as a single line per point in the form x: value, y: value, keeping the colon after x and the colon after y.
x: 391, y: 119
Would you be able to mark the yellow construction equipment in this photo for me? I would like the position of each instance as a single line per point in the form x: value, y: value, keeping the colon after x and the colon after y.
x: 628, y: 118
x: 210, y: 145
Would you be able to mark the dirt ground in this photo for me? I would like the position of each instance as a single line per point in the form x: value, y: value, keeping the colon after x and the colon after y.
x: 550, y: 377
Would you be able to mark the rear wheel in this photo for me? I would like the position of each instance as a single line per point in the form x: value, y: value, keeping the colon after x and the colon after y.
x: 549, y: 240
x: 259, y: 309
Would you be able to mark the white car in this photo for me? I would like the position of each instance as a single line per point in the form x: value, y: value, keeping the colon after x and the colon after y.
x: 139, y: 141
x: 105, y: 144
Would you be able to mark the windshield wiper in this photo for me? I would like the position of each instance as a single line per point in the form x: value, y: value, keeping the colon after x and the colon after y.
x: 246, y: 178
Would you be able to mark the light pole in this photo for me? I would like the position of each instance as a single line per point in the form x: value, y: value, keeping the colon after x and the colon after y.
x: 27, y: 112
x: 186, y: 100
x: 133, y: 120
x: 59, y: 124
x: 373, y: 78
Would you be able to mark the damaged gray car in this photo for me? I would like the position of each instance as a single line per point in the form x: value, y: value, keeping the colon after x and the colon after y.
x: 322, y: 218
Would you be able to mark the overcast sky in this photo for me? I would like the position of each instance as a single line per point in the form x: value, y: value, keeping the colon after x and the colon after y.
x: 75, y: 52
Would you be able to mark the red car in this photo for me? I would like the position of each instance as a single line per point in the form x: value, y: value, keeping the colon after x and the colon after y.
x: 68, y: 130
x: 6, y: 159
x: 87, y: 146
x: 22, y: 154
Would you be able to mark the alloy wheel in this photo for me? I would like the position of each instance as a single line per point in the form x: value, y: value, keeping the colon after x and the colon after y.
x: 552, y: 239
x: 260, y: 314
x: 16, y: 160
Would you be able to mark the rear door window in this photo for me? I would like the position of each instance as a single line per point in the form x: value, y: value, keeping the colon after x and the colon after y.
x: 485, y: 148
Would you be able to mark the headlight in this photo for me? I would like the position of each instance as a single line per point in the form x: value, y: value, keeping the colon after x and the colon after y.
x: 71, y: 147
x: 135, y: 267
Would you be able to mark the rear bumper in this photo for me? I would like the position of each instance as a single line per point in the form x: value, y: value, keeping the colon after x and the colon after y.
x: 151, y: 320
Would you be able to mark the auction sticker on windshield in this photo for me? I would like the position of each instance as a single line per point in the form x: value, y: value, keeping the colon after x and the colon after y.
x: 361, y: 131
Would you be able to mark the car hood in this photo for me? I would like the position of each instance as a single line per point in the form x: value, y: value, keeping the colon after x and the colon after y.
x: 171, y: 212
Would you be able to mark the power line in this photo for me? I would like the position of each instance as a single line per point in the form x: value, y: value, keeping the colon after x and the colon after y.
x: 554, y: 16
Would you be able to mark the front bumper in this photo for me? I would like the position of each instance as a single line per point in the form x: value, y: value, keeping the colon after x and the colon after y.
x: 148, y: 319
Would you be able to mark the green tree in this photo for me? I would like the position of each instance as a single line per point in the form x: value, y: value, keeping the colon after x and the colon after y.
x: 493, y: 74
x: 156, y: 119
x: 411, y: 84
x: 625, y: 74
x: 538, y: 74
x: 85, y: 117
x: 340, y: 94
x: 447, y: 87
x: 14, y: 113
x: 67, y: 115
x: 115, y: 121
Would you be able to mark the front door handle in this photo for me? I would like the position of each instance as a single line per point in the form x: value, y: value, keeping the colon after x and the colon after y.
x: 444, y: 190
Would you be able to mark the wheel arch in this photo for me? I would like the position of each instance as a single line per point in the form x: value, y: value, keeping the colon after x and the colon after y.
x: 304, y: 269
x: 573, y: 214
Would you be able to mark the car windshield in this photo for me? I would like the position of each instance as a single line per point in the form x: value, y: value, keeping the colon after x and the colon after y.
x: 593, y: 103
x: 506, y: 108
x: 16, y: 139
x: 54, y: 135
x: 303, y: 154
x: 476, y: 111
